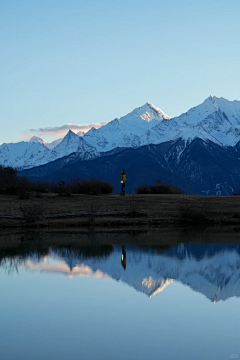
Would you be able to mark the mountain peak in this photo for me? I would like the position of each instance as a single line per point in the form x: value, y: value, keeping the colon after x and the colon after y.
x: 36, y: 139
x: 149, y: 104
x: 148, y: 112
x: 215, y: 98
x: 70, y: 132
x: 70, y: 135
x: 211, y: 97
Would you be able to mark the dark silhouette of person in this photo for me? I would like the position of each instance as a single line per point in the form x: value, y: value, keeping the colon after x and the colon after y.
x: 123, y: 180
x: 124, y: 258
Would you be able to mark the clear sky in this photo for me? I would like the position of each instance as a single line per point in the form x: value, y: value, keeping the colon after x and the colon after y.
x: 83, y: 62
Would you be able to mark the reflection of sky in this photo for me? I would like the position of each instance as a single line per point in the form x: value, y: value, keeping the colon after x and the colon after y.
x: 46, y: 316
x: 93, y: 318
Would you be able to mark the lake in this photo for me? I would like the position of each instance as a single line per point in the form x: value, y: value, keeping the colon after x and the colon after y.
x: 164, y: 294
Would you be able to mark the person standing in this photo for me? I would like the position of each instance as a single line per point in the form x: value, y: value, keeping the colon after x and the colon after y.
x: 123, y: 180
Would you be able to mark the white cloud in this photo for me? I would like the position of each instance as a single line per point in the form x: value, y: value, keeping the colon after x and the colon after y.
x: 62, y: 130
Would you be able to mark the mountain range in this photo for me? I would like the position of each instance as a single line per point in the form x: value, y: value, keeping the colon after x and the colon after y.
x: 198, y: 150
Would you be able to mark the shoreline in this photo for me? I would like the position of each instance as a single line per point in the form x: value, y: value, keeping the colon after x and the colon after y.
x: 162, y: 238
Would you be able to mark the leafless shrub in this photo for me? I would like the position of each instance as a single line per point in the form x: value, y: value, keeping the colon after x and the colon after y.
x: 194, y: 211
x: 91, y: 186
x: 134, y: 206
x: 41, y: 186
x: 62, y: 188
x: 158, y: 188
x: 23, y: 188
x: 92, y: 207
x: 8, y: 177
x: 39, y: 195
x: 143, y: 189
x: 12, y: 183
x: 32, y: 212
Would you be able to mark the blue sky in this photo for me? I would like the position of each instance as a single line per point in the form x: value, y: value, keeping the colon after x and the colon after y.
x: 84, y: 62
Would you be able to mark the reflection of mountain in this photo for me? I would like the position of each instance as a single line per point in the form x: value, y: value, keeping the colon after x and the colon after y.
x: 211, y: 269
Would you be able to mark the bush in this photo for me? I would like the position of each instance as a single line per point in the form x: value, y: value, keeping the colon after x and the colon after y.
x: 91, y: 186
x: 158, y: 188
x: 192, y: 211
x: 11, y: 183
x: 8, y: 177
x: 41, y: 186
x: 134, y: 206
x: 92, y: 207
x: 143, y: 189
x: 31, y: 213
x: 23, y: 188
x: 62, y: 188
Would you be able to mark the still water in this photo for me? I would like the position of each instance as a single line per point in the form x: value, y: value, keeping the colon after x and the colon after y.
x: 97, y: 299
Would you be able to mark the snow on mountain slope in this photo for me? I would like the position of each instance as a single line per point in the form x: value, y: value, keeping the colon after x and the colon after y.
x: 23, y: 155
x: 211, y: 105
x: 147, y: 112
x: 50, y: 146
x: 126, y: 131
x: 216, y: 119
x: 72, y: 143
x: 81, y: 133
x: 37, y: 139
x: 216, y: 275
x: 54, y: 143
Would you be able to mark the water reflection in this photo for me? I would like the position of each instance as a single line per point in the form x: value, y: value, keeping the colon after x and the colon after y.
x: 124, y: 258
x: 210, y: 269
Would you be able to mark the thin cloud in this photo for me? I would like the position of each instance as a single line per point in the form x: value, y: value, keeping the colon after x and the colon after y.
x: 62, y: 130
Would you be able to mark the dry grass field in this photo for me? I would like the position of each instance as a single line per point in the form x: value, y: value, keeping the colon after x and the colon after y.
x: 54, y: 211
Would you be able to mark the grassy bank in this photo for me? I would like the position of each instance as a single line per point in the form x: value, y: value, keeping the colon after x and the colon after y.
x: 54, y: 211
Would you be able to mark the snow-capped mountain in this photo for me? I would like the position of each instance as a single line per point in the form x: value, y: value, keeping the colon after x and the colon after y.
x: 37, y: 139
x: 50, y: 146
x: 210, y: 269
x: 126, y: 131
x: 81, y: 133
x: 216, y: 119
x: 72, y: 143
x: 23, y: 155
